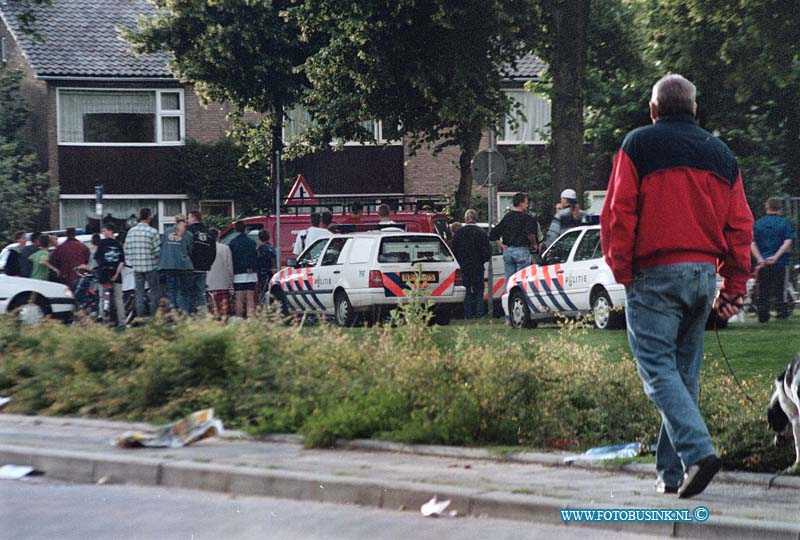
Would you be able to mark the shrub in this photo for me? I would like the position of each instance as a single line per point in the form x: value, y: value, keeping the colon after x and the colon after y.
x: 397, y: 383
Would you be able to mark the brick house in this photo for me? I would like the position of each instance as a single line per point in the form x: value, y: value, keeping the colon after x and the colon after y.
x: 101, y: 115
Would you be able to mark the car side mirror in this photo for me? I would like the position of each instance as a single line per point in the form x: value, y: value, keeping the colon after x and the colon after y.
x: 291, y: 263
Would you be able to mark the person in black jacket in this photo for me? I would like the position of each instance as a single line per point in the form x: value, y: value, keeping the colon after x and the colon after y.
x: 245, y: 276
x: 204, y: 251
x: 13, y: 262
x: 471, y: 248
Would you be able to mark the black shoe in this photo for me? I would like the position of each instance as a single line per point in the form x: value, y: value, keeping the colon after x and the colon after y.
x: 699, y: 475
x: 666, y: 489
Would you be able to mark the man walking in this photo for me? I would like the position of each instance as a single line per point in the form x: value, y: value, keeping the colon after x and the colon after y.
x: 772, y: 241
x: 471, y: 248
x: 142, y: 252
x: 516, y: 234
x: 203, y: 253
x: 674, y: 212
x: 69, y: 255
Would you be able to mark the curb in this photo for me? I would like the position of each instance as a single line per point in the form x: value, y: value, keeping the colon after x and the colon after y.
x: 87, y: 467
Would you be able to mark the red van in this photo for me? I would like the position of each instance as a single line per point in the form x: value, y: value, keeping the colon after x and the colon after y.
x: 293, y: 224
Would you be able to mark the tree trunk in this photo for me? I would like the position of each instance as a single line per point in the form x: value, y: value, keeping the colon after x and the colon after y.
x: 568, y: 66
x: 469, y: 147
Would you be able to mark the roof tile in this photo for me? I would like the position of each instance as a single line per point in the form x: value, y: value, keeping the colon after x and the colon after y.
x: 81, y: 39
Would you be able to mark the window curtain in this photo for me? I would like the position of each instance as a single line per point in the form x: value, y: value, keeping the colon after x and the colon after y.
x: 532, y: 124
x: 77, y: 212
x: 74, y: 104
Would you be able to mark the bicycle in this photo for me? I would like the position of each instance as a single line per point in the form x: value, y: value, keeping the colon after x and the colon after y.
x: 88, y: 298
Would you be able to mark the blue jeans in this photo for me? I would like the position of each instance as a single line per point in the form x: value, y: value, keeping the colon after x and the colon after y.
x: 152, y: 279
x: 667, y: 307
x: 515, y: 259
x: 179, y: 289
x: 198, y: 290
x: 473, y: 297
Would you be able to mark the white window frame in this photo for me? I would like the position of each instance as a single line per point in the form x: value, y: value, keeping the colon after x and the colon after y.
x: 163, y: 220
x: 540, y: 140
x: 159, y: 114
x: 377, y: 133
x: 230, y: 202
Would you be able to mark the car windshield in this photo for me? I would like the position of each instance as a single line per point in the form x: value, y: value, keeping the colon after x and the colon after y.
x: 413, y: 249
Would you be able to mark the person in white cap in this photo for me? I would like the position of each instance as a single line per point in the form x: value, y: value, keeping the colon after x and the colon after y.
x: 568, y: 217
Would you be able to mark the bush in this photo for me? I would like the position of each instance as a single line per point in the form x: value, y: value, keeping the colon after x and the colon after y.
x: 395, y: 383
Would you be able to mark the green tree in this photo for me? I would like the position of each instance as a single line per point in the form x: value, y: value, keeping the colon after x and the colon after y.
x: 240, y: 52
x: 743, y: 57
x: 24, y: 189
x: 563, y: 46
x: 429, y: 71
x: 213, y: 171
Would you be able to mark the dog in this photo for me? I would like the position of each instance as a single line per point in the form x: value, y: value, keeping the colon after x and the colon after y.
x: 784, y: 409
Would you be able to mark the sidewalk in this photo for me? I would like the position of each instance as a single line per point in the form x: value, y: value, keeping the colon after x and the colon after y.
x: 529, y: 487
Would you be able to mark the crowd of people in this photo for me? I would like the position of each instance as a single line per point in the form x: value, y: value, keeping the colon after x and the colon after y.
x: 182, y: 265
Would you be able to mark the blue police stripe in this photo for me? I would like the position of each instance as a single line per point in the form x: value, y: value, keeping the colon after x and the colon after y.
x: 564, y: 295
x: 544, y: 305
x: 293, y: 294
x: 549, y: 294
x: 314, y: 295
x: 528, y: 298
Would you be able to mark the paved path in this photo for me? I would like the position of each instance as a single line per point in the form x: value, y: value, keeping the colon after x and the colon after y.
x: 530, y: 487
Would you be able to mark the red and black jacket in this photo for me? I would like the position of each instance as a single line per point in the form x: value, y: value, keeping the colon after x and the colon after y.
x: 675, y: 195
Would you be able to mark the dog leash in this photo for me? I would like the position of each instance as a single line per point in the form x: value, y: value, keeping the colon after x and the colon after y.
x: 741, y: 388
x: 725, y: 356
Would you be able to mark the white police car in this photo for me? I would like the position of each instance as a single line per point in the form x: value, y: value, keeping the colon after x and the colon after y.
x: 571, y: 279
x: 364, y: 275
x: 33, y: 299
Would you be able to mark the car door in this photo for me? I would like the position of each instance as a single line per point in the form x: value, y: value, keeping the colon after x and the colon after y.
x: 546, y: 280
x: 298, y: 282
x: 580, y: 272
x: 329, y: 273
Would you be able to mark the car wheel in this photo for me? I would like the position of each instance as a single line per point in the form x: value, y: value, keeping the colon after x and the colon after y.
x: 518, y: 310
x: 344, y: 314
x: 277, y: 295
x: 605, y: 317
x: 31, y: 309
x: 442, y: 317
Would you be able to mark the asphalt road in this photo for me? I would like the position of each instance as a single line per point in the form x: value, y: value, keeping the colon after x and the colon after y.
x: 38, y: 509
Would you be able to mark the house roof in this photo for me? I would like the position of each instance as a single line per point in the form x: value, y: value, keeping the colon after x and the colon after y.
x: 528, y: 68
x: 80, y: 39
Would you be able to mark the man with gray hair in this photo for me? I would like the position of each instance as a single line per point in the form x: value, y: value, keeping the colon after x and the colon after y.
x: 674, y: 214
x: 471, y: 248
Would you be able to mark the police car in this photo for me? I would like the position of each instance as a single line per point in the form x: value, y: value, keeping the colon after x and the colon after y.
x: 571, y: 279
x: 365, y: 275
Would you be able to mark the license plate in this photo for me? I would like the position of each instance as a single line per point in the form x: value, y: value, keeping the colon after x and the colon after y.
x: 424, y: 277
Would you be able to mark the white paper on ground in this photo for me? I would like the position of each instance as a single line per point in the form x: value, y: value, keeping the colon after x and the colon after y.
x: 14, y: 472
x: 434, y: 507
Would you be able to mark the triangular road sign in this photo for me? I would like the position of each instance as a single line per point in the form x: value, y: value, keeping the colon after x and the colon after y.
x: 300, y: 192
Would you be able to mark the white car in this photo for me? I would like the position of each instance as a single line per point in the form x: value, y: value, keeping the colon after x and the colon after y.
x: 367, y: 274
x: 33, y: 299
x: 571, y: 279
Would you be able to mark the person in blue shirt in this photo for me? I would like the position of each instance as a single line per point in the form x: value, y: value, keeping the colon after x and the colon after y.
x: 772, y: 241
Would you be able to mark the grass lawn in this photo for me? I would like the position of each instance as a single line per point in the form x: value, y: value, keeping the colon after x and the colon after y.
x: 753, y: 349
